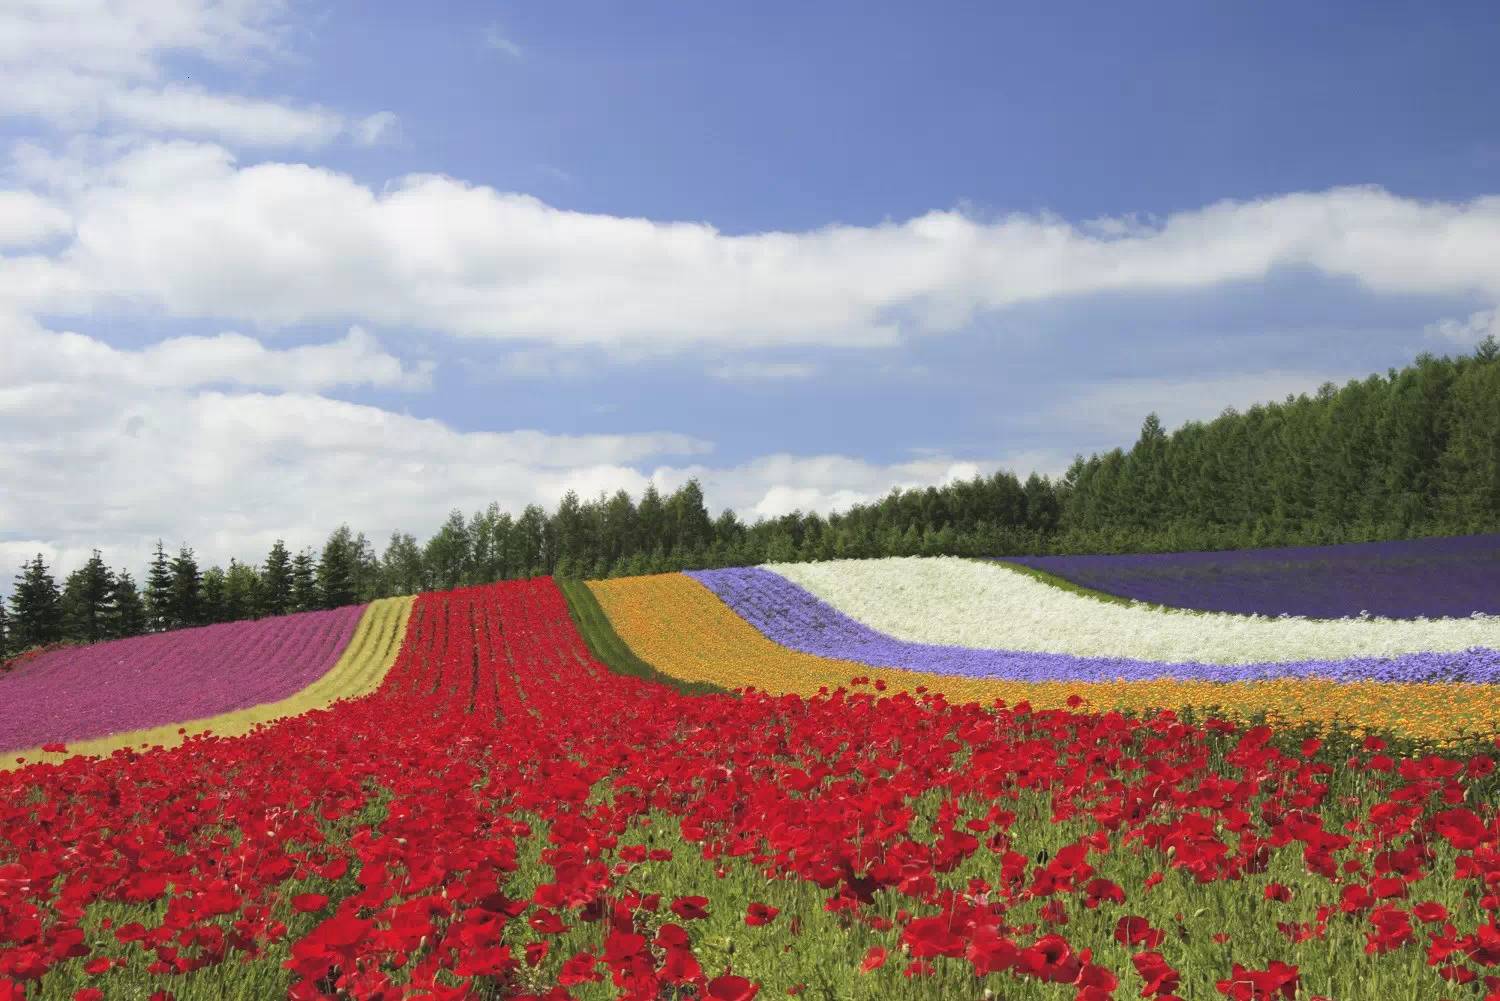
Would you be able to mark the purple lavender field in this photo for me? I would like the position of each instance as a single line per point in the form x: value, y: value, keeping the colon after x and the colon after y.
x: 791, y: 616
x: 146, y: 681
x: 1432, y: 578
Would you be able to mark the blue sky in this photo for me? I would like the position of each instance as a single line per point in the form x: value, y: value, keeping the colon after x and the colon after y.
x: 804, y: 252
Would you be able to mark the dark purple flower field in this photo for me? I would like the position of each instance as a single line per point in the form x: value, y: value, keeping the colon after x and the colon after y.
x: 1409, y: 579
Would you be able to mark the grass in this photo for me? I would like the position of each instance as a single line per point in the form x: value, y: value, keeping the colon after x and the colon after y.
x: 607, y: 647
x: 1064, y: 584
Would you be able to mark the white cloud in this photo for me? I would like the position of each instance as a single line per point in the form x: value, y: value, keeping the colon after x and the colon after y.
x: 115, y: 448
x: 85, y: 64
x: 27, y: 218
x: 228, y: 359
x: 751, y: 371
x: 101, y: 451
x: 179, y: 110
x: 496, y: 39
x: 375, y: 128
x: 183, y: 227
x: 774, y: 485
x: 1115, y: 409
x: 1468, y: 331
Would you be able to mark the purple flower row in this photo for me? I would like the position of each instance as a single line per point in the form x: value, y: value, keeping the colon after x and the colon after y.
x: 788, y: 615
x: 1431, y: 578
x: 146, y: 681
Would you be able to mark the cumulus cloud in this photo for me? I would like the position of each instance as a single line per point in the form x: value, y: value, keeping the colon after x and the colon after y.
x: 116, y: 448
x: 773, y: 485
x: 85, y: 64
x: 27, y: 218
x: 227, y: 359
x: 1104, y: 409
x: 180, y: 110
x: 1468, y: 331
x: 184, y: 227
x: 101, y: 452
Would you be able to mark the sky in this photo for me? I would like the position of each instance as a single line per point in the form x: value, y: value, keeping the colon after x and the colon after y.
x: 267, y: 266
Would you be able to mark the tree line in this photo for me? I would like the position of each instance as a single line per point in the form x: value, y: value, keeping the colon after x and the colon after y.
x: 1410, y: 453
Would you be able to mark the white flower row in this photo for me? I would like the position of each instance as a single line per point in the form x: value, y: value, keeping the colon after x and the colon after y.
x: 961, y: 602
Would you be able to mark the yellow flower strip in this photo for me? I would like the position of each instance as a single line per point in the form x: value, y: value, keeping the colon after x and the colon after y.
x: 683, y: 629
x: 359, y: 671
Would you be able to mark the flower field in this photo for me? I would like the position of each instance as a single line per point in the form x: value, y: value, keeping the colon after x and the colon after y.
x: 975, y: 604
x: 1443, y: 577
x: 224, y: 678
x: 469, y: 804
x: 682, y: 628
x: 792, y: 617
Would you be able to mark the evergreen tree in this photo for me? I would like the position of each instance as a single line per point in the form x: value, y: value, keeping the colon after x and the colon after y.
x: 304, y: 583
x: 36, y: 617
x: 651, y: 520
x: 337, y: 569
x: 87, y: 601
x: 401, y: 567
x: 243, y: 597
x: 485, y: 547
x: 186, y: 602
x: 368, y: 581
x: 128, y: 612
x: 159, y: 591
x: 213, y: 603
x: 276, y: 594
x: 687, y: 518
x: 447, y: 553
x: 528, y: 542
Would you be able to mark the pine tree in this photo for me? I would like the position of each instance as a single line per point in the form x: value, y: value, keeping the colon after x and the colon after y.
x: 35, y: 607
x: 448, y: 553
x: 187, y: 590
x: 87, y: 601
x: 159, y: 591
x: 128, y: 612
x: 243, y: 597
x: 304, y: 583
x: 336, y: 570
x: 401, y: 566
x: 276, y: 592
x: 368, y: 582
x: 212, y: 600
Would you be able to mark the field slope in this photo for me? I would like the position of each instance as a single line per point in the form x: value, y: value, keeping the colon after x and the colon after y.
x: 157, y: 690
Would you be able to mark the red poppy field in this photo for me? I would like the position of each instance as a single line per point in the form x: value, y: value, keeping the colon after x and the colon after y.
x: 507, y: 818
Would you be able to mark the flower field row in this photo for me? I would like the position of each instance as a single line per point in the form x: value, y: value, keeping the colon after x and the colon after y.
x: 975, y: 604
x: 360, y: 669
x: 503, y: 817
x: 794, y: 618
x: 79, y: 693
x: 1435, y: 578
x: 682, y: 628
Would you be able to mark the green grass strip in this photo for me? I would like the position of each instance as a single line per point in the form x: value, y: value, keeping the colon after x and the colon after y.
x: 607, y: 647
x: 1064, y: 584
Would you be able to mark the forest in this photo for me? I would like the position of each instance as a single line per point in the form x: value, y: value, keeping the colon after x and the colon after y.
x: 1414, y: 452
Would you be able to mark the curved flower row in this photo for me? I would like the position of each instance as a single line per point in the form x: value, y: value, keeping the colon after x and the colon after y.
x: 968, y: 603
x: 1437, y: 577
x: 792, y: 617
x: 504, y: 818
x: 682, y: 628
x: 359, y: 670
